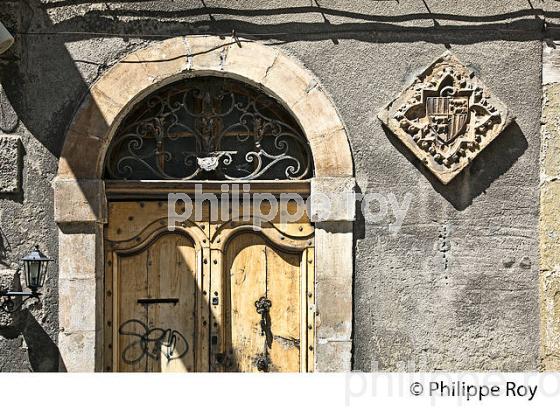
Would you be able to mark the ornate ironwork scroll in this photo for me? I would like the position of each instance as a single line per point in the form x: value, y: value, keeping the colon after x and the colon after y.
x: 209, y: 128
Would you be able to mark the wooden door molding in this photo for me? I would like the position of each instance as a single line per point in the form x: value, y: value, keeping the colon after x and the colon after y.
x: 287, y: 237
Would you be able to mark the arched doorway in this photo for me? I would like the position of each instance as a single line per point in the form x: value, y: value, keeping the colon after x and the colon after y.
x: 218, y: 291
x: 100, y: 196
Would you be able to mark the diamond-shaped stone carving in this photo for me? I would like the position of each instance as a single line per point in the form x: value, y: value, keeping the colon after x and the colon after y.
x: 446, y: 117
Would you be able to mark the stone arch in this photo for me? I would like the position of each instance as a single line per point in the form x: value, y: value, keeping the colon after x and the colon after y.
x: 145, y: 70
x: 80, y: 202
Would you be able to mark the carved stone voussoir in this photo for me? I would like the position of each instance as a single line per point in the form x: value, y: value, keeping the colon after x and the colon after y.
x: 446, y: 117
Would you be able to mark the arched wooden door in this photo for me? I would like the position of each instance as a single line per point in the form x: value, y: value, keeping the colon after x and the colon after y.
x: 208, y: 296
x: 216, y: 293
x: 266, y: 278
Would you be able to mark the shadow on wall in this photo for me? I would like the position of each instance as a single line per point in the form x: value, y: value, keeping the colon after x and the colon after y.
x: 59, y: 72
x: 42, y: 351
x: 477, y: 176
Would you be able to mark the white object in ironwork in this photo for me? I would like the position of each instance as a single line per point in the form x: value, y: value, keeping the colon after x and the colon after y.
x: 6, y: 39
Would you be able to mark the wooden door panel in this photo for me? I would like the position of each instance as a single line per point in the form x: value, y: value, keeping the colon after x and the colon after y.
x: 132, y: 282
x: 172, y: 274
x: 284, y: 287
x: 247, y: 284
x: 256, y: 270
x: 158, y: 337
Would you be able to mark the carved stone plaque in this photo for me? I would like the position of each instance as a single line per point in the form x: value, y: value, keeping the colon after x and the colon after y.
x: 446, y: 117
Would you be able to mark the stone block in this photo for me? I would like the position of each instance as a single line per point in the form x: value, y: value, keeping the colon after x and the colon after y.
x: 290, y: 81
x: 329, y: 161
x: 161, y: 64
x: 78, y: 254
x: 79, y: 201
x: 550, y: 320
x: 235, y: 57
x: 550, y: 226
x: 79, y: 157
x: 333, y: 199
x: 317, y: 114
x: 10, y: 164
x: 335, y: 356
x: 77, y: 350
x: 333, y: 273
x: 77, y: 299
x: 334, y: 310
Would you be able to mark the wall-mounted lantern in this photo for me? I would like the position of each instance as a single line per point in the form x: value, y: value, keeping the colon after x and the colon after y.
x: 6, y: 39
x: 35, y: 266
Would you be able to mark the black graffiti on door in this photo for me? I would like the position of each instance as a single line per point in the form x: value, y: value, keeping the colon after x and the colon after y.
x: 151, y: 342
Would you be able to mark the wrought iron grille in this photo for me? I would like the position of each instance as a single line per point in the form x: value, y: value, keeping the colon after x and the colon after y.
x: 209, y: 128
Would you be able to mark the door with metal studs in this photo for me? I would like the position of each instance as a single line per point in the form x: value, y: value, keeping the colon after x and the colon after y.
x: 226, y: 296
x: 212, y: 293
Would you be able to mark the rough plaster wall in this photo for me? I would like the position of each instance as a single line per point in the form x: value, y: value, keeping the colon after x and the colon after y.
x: 457, y: 287
x: 26, y: 217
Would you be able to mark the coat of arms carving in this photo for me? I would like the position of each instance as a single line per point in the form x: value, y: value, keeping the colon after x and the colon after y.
x: 446, y: 117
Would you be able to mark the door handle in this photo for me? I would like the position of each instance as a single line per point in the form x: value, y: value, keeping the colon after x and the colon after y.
x: 263, y: 305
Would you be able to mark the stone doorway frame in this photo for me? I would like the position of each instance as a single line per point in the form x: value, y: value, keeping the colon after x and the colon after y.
x: 81, y: 203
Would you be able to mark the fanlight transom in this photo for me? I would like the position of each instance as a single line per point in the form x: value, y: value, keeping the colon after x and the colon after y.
x: 209, y: 128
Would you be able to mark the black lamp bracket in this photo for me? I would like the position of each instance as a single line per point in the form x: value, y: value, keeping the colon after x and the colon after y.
x: 10, y: 302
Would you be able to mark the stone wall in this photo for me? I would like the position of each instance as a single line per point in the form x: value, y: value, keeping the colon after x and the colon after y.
x: 550, y: 209
x: 457, y: 288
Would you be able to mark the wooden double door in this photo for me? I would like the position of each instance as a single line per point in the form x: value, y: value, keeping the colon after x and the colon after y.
x: 206, y: 296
